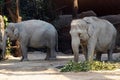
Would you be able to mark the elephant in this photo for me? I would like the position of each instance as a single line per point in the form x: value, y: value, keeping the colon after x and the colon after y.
x: 95, y: 35
x: 2, y: 38
x: 35, y: 34
x: 62, y: 24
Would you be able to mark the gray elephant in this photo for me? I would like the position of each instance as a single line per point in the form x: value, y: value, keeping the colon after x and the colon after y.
x: 35, y: 34
x: 94, y: 35
x: 2, y: 39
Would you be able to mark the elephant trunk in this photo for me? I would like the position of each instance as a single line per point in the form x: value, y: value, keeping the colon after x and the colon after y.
x: 75, y: 48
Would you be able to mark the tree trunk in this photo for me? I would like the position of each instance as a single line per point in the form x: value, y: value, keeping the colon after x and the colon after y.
x: 75, y: 8
x: 18, y: 18
x: 14, y: 14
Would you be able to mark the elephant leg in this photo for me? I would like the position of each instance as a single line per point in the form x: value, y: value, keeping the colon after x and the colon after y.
x: 52, y: 48
x: 98, y: 56
x: 48, y: 54
x: 84, y: 50
x: 110, y: 55
x: 1, y: 56
x: 52, y: 54
x: 24, y: 53
x: 91, y: 48
x: 110, y: 51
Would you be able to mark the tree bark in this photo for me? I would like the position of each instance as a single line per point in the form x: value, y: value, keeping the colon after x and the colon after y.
x: 18, y: 17
x: 14, y: 14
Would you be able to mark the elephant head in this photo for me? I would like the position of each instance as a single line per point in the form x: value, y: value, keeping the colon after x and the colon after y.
x: 80, y: 32
x: 12, y: 31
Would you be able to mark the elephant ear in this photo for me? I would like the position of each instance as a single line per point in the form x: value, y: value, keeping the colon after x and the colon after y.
x: 90, y: 26
x: 13, y: 28
x: 90, y: 29
x: 16, y: 32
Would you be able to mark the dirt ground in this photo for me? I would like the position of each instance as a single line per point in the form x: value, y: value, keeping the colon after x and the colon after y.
x: 39, y: 69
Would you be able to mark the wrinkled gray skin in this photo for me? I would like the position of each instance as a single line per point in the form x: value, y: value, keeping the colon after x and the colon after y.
x: 115, y: 20
x: 94, y: 35
x: 2, y: 39
x: 35, y: 34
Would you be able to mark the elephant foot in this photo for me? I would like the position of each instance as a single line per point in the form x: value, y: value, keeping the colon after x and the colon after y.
x: 3, y: 58
x: 24, y: 59
x: 50, y: 58
x: 110, y: 60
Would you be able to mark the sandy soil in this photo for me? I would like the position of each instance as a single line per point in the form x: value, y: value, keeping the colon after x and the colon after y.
x: 39, y: 69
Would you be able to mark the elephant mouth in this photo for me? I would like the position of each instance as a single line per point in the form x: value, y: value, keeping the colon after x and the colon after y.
x: 12, y: 39
x: 84, y: 42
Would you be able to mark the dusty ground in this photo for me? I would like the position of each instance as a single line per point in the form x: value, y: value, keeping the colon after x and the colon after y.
x: 39, y: 69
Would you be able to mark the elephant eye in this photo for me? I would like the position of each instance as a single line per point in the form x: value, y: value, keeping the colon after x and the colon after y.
x: 79, y: 34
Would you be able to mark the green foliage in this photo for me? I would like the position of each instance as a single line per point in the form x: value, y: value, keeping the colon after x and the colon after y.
x: 87, y: 66
x: 5, y: 20
x: 31, y: 9
x: 8, y: 41
x: 37, y: 9
x: 8, y: 49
